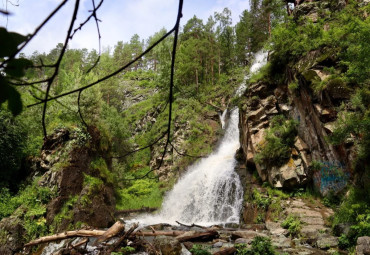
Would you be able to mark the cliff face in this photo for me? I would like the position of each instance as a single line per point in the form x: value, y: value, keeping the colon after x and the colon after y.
x: 309, y: 113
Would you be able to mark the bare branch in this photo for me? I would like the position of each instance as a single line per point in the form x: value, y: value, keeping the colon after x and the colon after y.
x: 79, y: 109
x: 30, y: 37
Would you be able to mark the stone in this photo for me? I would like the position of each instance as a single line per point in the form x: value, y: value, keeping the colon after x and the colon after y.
x: 363, y: 245
x: 325, y: 242
x: 276, y: 229
x: 217, y: 245
x: 255, y: 115
x: 243, y: 240
x: 12, y: 235
x: 300, y: 144
x: 168, y: 245
x: 247, y: 234
x: 281, y: 241
x: 287, y: 176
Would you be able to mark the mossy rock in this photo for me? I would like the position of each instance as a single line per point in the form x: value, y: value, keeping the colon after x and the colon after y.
x: 338, y: 89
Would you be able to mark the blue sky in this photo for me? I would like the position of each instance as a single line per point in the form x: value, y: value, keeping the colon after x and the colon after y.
x: 120, y: 19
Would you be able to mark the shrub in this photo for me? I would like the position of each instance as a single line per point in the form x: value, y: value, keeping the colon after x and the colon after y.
x: 293, y: 224
x: 260, y: 246
x: 199, y: 250
x: 278, y: 142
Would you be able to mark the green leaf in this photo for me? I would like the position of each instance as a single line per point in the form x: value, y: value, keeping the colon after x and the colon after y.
x: 9, y: 42
x: 16, y: 67
x: 9, y: 93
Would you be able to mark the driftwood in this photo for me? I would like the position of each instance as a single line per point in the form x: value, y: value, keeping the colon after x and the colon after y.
x: 198, y: 236
x: 114, y: 230
x: 67, y: 234
x: 192, y: 225
x: 226, y: 251
x: 122, y: 238
x: 159, y: 233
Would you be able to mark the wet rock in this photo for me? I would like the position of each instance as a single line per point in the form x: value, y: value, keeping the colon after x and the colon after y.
x: 167, y: 245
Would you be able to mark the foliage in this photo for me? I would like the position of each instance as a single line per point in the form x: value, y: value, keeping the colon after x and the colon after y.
x: 262, y: 202
x: 30, y: 205
x: 278, y: 142
x: 198, y: 249
x: 11, y: 70
x: 124, y: 251
x: 13, y: 137
x: 260, y: 246
x: 355, y: 210
x: 293, y: 224
x: 141, y: 193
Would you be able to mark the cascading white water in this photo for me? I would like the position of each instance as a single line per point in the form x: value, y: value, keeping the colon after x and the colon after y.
x: 210, y: 192
x: 223, y: 119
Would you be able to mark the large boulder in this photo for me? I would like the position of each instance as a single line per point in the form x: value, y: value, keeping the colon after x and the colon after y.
x: 290, y: 175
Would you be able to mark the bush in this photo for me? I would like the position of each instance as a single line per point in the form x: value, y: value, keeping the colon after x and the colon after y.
x: 279, y: 140
x: 199, y: 250
x: 260, y: 246
x: 293, y: 224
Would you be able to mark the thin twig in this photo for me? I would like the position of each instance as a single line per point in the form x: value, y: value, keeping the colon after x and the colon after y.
x: 184, y: 154
x: 30, y: 37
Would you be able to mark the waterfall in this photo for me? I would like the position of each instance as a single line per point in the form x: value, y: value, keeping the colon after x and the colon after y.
x: 223, y: 118
x: 210, y: 191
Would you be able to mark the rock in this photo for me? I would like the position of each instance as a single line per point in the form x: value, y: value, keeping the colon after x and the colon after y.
x: 363, y: 245
x: 243, y: 240
x: 325, y: 242
x: 246, y: 234
x: 342, y: 228
x: 217, y: 245
x: 288, y: 176
x: 280, y: 241
x: 337, y: 89
x: 168, y: 245
x: 275, y: 228
x: 12, y: 235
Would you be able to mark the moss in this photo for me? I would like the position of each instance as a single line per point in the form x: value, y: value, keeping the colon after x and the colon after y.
x: 100, y: 165
x: 65, y: 214
x: 3, y: 236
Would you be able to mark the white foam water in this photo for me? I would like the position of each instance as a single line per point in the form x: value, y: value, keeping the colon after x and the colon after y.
x: 210, y: 191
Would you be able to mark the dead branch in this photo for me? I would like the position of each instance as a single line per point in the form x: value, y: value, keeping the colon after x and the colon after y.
x: 67, y: 234
x: 192, y: 225
x: 114, y: 230
x: 143, y: 209
x: 122, y: 238
x: 199, y: 236
x: 159, y: 233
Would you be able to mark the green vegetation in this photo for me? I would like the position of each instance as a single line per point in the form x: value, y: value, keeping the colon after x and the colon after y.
x: 279, y: 140
x: 293, y: 224
x: 29, y: 204
x: 198, y: 249
x: 259, y: 246
x: 354, y: 210
x: 141, y: 193
x: 124, y: 251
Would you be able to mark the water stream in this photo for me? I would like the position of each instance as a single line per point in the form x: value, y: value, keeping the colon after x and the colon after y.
x: 210, y: 191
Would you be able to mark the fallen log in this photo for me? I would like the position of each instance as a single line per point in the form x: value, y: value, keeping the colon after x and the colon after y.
x: 226, y: 251
x: 122, y: 238
x: 198, y: 236
x: 159, y: 233
x: 114, y: 230
x: 67, y: 234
